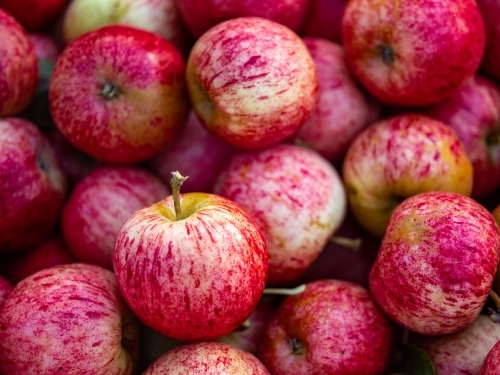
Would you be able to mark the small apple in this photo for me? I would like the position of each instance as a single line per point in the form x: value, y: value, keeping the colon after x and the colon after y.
x: 5, y: 289
x: 437, y: 262
x: 46, y: 48
x: 491, y: 364
x: 324, y: 20
x: 490, y: 10
x: 68, y: 319
x: 332, y: 328
x: 18, y: 66
x: 399, y: 157
x: 413, y: 53
x: 206, y: 358
x: 192, y: 266
x: 100, y: 204
x: 118, y: 93
x: 296, y: 197
x: 32, y: 186
x: 34, y: 15
x: 252, y: 81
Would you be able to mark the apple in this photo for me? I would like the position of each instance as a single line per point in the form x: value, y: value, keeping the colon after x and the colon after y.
x: 437, y: 262
x: 68, y: 319
x: 206, y: 358
x: 34, y: 15
x: 18, y: 66
x: 193, y: 266
x: 201, y: 15
x: 196, y: 152
x: 46, y: 48
x: 296, y: 197
x: 118, y: 93
x: 32, y: 186
x: 490, y: 10
x: 463, y: 352
x: 413, y: 53
x: 252, y: 82
x: 324, y: 20
x: 343, y: 109
x: 333, y: 327
x: 5, y: 289
x: 160, y: 17
x: 399, y: 157
x: 473, y: 112
x: 52, y: 251
x: 491, y: 364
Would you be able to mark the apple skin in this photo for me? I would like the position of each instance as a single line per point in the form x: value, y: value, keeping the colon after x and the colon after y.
x: 18, y: 66
x: 34, y: 15
x: 324, y: 20
x: 45, y: 46
x: 491, y: 364
x: 194, y: 279
x: 437, y: 262
x: 201, y: 15
x: 52, y: 251
x: 473, y: 112
x: 118, y: 93
x: 339, y: 326
x: 343, y: 109
x: 32, y: 186
x: 296, y: 197
x: 206, y: 358
x: 69, y: 318
x: 463, y: 352
x: 401, y: 50
x: 160, y: 17
x: 490, y: 10
x: 252, y: 82
x: 398, y: 157
x: 5, y: 289
x: 195, y: 152
x: 100, y: 204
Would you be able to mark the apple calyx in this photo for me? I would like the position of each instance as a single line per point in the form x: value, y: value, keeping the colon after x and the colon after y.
x: 349, y: 243
x: 285, y: 291
x: 296, y: 345
x: 386, y: 53
x: 110, y: 91
x: 175, y: 183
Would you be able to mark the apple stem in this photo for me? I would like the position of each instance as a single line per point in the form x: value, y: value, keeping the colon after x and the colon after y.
x: 175, y: 183
x: 350, y: 243
x: 495, y: 298
x: 286, y: 291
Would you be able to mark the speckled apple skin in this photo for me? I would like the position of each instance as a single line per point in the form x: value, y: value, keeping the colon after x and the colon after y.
x: 490, y: 10
x: 341, y: 329
x: 436, y: 46
x: 32, y: 186
x: 195, y: 279
x: 100, y: 204
x: 5, y: 288
x: 342, y: 111
x: 18, y: 67
x: 296, y: 197
x: 491, y: 364
x: 147, y: 113
x: 437, y: 262
x: 463, y: 352
x: 34, y: 15
x: 473, y: 111
x: 206, y: 358
x: 252, y: 81
x: 397, y: 158
x: 68, y: 319
x: 195, y: 153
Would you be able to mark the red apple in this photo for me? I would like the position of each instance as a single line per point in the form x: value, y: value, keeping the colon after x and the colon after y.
x: 206, y: 358
x: 399, y: 157
x: 118, y: 93
x: 197, y: 153
x: 201, y: 15
x: 490, y: 10
x: 51, y: 252
x: 252, y: 81
x: 324, y: 19
x: 491, y: 364
x: 100, y: 204
x: 68, y: 319
x: 343, y: 110
x: 333, y: 327
x: 34, y: 15
x: 413, y: 52
x: 18, y: 66
x: 473, y: 112
x: 5, y: 289
x: 46, y: 48
x: 32, y: 186
x: 296, y: 197
x: 194, y: 272
x: 437, y: 262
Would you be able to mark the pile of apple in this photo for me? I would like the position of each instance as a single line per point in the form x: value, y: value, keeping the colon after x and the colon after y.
x: 278, y: 187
